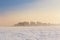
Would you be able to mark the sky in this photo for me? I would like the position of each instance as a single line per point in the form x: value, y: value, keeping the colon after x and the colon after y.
x: 14, y: 11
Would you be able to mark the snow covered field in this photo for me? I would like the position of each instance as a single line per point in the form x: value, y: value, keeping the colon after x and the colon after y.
x: 30, y: 33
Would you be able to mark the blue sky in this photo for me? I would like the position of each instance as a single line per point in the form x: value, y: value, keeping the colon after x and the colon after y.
x: 9, y: 3
x: 14, y: 4
x: 13, y: 11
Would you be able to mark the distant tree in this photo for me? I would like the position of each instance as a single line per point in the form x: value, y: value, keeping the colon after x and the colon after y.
x: 38, y: 23
x: 22, y: 24
x: 32, y: 23
x: 25, y: 23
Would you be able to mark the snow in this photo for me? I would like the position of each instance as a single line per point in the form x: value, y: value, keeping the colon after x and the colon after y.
x: 30, y: 33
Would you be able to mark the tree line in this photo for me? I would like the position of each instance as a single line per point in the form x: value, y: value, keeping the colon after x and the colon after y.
x: 32, y: 24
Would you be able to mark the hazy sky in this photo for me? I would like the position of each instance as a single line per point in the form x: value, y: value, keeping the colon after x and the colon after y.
x: 14, y: 11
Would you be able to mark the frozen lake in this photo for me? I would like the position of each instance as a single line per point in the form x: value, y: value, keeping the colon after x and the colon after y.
x: 30, y: 33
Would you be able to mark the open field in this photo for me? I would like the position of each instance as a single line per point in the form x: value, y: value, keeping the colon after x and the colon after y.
x: 30, y: 33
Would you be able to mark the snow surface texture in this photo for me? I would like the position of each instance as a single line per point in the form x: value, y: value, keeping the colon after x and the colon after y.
x: 29, y: 33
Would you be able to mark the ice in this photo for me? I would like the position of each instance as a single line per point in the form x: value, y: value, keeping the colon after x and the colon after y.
x: 30, y: 33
